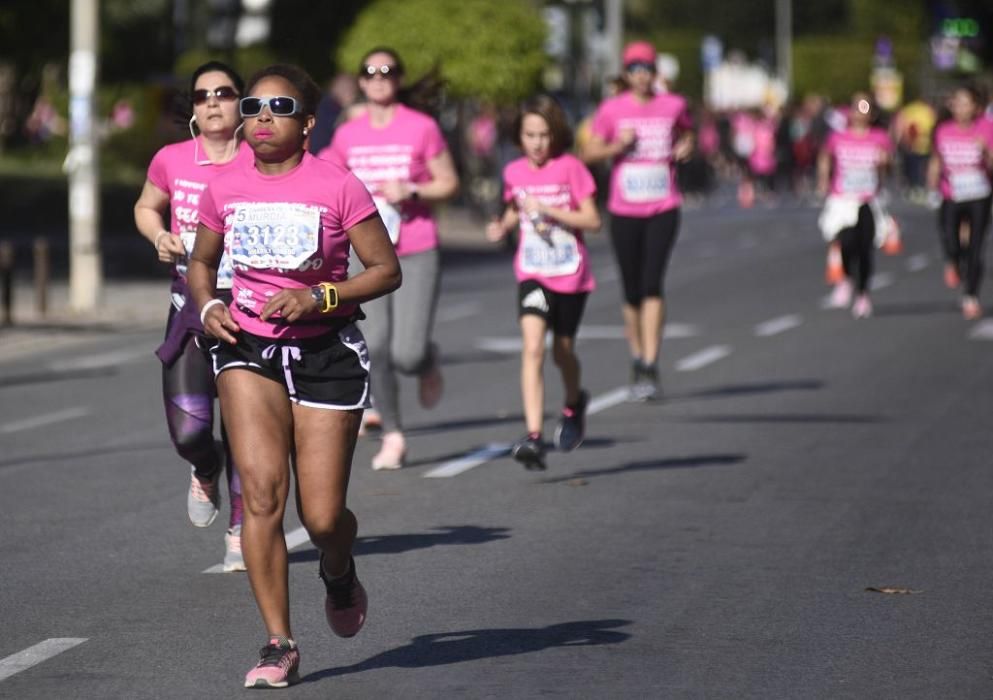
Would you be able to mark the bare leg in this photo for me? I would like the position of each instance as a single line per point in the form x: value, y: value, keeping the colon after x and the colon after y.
x: 632, y: 329
x: 532, y: 378
x: 564, y: 354
x: 651, y: 319
x: 257, y: 414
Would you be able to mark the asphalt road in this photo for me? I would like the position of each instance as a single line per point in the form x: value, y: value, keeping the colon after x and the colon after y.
x: 718, y: 544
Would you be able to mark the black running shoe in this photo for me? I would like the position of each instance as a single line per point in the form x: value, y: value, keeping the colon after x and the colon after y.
x: 530, y: 452
x: 571, y: 430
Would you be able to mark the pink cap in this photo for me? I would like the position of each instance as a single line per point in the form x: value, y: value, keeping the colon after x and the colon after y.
x: 638, y: 52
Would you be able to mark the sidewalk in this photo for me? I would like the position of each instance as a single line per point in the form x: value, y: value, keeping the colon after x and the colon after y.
x: 135, y: 305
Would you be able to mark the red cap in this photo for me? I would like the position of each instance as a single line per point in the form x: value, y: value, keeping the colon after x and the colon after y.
x: 638, y: 52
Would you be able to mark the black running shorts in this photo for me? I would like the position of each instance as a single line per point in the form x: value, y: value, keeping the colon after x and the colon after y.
x: 562, y: 312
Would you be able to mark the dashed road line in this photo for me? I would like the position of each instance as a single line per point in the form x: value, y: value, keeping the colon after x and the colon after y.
x: 456, y: 312
x: 704, y: 357
x: 917, y: 262
x: 775, y: 326
x: 881, y: 281
x: 32, y: 656
x: 43, y: 420
x: 510, y: 345
x: 470, y: 461
x: 982, y: 330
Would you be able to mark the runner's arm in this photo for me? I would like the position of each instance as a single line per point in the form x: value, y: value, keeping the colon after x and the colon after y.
x: 498, y: 229
x: 374, y: 249
x: 823, y: 171
x: 202, y: 278
x: 586, y: 217
x: 597, y: 149
x: 149, y: 219
x: 933, y: 172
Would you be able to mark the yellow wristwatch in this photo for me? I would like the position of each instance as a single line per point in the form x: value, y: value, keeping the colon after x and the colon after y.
x: 325, y: 294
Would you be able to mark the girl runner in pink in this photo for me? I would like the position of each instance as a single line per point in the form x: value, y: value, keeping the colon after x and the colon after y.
x: 550, y: 200
x: 855, y: 160
x: 291, y: 366
x: 401, y: 156
x: 177, y: 178
x: 643, y: 133
x: 959, y: 169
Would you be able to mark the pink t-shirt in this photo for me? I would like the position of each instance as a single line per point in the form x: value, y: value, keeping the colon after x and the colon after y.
x: 399, y: 151
x: 182, y: 171
x: 285, y: 232
x: 762, y: 160
x: 643, y: 180
x: 547, y: 251
x: 857, y: 158
x: 964, y: 177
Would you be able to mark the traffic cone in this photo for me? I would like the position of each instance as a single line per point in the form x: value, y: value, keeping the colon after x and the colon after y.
x: 893, y: 244
x: 834, y: 272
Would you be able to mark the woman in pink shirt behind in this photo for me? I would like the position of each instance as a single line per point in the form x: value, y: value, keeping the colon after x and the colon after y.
x: 550, y: 199
x: 177, y: 178
x: 854, y: 159
x: 643, y: 133
x: 960, y: 170
x: 291, y: 366
x: 401, y: 157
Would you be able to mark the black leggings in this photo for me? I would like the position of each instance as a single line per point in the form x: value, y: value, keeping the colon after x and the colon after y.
x: 968, y: 256
x: 642, y: 246
x: 188, y: 393
x: 857, y: 248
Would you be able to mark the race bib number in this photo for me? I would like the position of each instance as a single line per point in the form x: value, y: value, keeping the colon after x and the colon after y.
x: 644, y: 182
x: 268, y: 235
x: 859, y: 181
x: 968, y: 185
x: 553, y: 253
x: 390, y: 216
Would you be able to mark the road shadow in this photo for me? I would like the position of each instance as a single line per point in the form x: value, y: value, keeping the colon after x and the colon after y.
x: 713, y: 460
x: 917, y: 308
x: 56, y: 376
x: 463, y: 424
x: 67, y: 456
x: 748, y: 389
x: 803, y: 418
x: 398, y: 544
x: 447, y: 648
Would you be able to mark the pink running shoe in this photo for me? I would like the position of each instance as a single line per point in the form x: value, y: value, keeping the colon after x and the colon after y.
x: 392, y: 453
x: 346, y: 603
x: 971, y: 310
x: 278, y: 666
x: 371, y: 422
x: 841, y: 295
x: 862, y: 308
x: 952, y: 279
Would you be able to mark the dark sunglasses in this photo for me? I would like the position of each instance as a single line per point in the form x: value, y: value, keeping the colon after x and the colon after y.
x: 278, y: 106
x: 225, y: 93
x: 384, y: 70
x: 640, y: 65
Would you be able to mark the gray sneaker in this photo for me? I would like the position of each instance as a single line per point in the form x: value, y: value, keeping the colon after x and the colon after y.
x: 645, y: 386
x: 233, y: 559
x: 203, y: 499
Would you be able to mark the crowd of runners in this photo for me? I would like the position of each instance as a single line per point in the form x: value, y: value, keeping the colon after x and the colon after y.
x: 306, y: 279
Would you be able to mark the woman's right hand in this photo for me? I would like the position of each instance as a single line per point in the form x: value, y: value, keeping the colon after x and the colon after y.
x: 218, y: 323
x: 170, y: 248
x: 495, y: 231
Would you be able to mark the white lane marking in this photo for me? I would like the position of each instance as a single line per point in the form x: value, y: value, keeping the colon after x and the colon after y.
x: 982, y: 330
x: 775, y: 326
x: 880, y: 281
x: 512, y: 344
x: 32, y: 656
x: 701, y: 359
x: 109, y: 359
x: 916, y: 263
x: 605, y: 401
x: 456, y: 312
x: 293, y: 540
x: 469, y: 461
x: 46, y: 419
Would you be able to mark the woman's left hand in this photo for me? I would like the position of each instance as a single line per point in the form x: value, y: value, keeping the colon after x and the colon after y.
x: 290, y: 304
x: 394, y: 191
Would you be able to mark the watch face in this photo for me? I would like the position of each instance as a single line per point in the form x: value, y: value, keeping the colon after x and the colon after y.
x: 318, y: 294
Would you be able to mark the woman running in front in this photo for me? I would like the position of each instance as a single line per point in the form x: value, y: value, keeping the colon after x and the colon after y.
x: 644, y: 132
x: 400, y: 155
x: 177, y: 177
x: 550, y: 198
x: 854, y: 159
x: 959, y: 165
x: 291, y: 366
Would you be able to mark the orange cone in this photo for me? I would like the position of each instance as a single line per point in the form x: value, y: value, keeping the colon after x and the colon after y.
x: 834, y: 272
x: 893, y: 245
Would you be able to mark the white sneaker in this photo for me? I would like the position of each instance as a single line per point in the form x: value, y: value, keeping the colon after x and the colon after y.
x: 392, y: 453
x: 862, y: 308
x: 371, y: 421
x: 203, y: 499
x: 233, y: 558
x: 841, y: 295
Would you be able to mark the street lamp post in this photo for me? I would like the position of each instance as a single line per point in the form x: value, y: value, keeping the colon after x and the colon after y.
x: 85, y: 274
x: 784, y: 43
